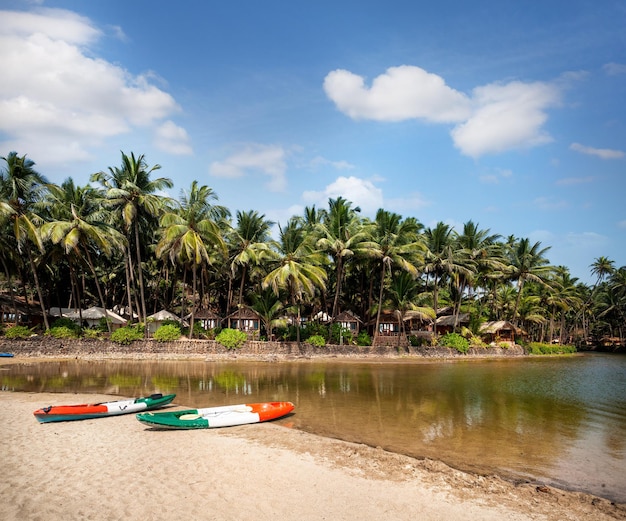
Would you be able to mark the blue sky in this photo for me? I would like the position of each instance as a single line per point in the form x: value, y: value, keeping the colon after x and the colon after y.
x: 511, y: 114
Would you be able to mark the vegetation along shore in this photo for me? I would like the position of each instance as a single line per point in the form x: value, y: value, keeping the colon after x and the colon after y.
x: 117, y: 259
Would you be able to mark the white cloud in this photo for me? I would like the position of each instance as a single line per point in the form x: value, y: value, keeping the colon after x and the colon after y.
x: 57, y: 100
x: 622, y: 224
x: 268, y: 159
x: 172, y: 139
x: 602, y: 153
x: 338, y: 165
x: 360, y: 192
x: 569, y: 181
x: 401, y: 93
x: 506, y: 117
x: 497, y: 117
x: 410, y: 203
x: 549, y: 203
x: 613, y: 69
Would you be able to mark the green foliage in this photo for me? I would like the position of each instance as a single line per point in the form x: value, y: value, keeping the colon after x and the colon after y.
x: 363, y: 339
x: 66, y: 323
x: 167, y: 333
x: 128, y: 334
x: 455, y: 341
x: 18, y: 332
x: 92, y: 333
x: 317, y: 340
x: 537, y: 348
x: 340, y: 335
x: 315, y: 328
x: 63, y: 332
x: 231, y: 338
x: 417, y: 341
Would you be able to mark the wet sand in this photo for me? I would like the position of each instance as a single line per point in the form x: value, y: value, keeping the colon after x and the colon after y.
x: 118, y: 468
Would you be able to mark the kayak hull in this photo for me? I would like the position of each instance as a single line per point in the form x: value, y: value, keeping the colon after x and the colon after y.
x: 87, y: 411
x: 212, y: 417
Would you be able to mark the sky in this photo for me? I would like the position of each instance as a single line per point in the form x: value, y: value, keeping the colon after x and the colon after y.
x: 509, y: 114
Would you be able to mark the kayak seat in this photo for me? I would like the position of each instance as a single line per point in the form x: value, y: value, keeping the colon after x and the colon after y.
x: 189, y: 417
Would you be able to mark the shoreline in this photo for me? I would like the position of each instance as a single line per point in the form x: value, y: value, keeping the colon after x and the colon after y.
x: 114, y: 468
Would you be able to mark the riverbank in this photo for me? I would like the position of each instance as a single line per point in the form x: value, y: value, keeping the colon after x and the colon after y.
x: 116, y: 468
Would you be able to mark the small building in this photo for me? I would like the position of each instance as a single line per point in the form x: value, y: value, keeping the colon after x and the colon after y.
x: 499, y: 331
x: 206, y: 317
x: 449, y: 323
x: 388, y: 325
x: 246, y: 320
x: 156, y: 320
x: 92, y: 316
x: 349, y: 320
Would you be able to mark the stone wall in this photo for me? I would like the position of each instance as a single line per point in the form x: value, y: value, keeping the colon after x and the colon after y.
x: 48, y: 347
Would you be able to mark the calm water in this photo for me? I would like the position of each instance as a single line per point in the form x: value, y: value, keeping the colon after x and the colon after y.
x: 553, y: 420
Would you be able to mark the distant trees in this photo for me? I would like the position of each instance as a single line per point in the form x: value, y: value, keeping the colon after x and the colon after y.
x: 122, y: 242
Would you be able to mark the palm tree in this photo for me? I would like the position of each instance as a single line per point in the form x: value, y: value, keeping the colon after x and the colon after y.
x: 342, y: 237
x: 398, y: 246
x: 528, y: 263
x: 404, y: 292
x: 133, y: 196
x: 78, y: 227
x: 249, y: 242
x: 20, y: 187
x: 268, y: 305
x: 298, y: 268
x: 190, y: 233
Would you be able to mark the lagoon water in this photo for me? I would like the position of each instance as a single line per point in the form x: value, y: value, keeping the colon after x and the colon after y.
x: 553, y: 420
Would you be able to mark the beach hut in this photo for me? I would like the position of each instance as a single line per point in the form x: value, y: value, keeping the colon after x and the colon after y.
x: 499, y: 331
x: 349, y: 320
x: 92, y: 316
x: 155, y: 321
x: 448, y: 323
x: 206, y: 317
x: 246, y: 320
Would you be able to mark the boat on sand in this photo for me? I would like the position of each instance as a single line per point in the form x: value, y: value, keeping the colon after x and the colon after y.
x: 211, y: 417
x: 57, y: 413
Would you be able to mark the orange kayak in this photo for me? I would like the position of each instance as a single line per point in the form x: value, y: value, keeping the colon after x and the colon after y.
x: 211, y: 417
x: 57, y: 413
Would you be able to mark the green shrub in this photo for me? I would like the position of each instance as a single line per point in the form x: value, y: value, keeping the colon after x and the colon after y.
x: 126, y: 335
x: 538, y: 348
x: 93, y: 333
x: 315, y: 328
x: 63, y: 332
x: 231, y: 338
x: 317, y: 340
x: 167, y: 333
x: 18, y: 332
x: 455, y: 341
x: 363, y: 339
x: 340, y: 335
x: 66, y: 323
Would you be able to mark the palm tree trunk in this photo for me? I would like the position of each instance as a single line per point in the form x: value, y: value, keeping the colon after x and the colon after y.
x: 39, y: 292
x: 144, y: 315
x: 193, y: 307
x: 380, y: 299
x: 338, y: 286
x: 95, y: 278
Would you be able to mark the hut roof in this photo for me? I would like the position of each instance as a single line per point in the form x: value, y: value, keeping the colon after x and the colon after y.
x: 96, y: 313
x: 205, y: 313
x: 245, y: 313
x: 347, y: 316
x: 499, y: 325
x: 448, y: 320
x: 163, y: 315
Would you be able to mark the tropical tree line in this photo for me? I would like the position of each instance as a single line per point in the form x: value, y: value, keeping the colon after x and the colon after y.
x: 121, y: 243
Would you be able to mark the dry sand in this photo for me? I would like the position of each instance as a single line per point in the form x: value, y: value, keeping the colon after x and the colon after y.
x: 117, y: 468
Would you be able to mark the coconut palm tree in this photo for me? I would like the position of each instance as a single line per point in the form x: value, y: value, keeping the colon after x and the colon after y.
x: 191, y: 233
x: 249, y: 245
x: 404, y: 293
x: 342, y: 236
x: 297, y: 268
x: 78, y: 227
x: 398, y: 246
x: 528, y: 263
x: 134, y: 199
x: 21, y: 186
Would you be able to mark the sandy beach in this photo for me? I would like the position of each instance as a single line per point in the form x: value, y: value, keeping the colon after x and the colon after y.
x: 117, y: 468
